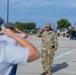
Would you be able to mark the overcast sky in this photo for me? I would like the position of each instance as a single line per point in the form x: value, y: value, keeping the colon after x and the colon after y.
x: 39, y: 11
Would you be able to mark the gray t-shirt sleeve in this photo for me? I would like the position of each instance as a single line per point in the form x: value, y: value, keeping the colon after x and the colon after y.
x: 21, y: 35
x: 16, y: 54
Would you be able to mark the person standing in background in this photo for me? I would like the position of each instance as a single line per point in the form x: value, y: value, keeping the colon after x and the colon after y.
x: 58, y: 31
x: 48, y: 48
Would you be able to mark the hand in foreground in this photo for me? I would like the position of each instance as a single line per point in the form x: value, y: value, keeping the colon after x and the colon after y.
x: 16, y: 29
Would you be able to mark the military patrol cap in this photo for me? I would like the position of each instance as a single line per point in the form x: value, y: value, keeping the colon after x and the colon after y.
x: 48, y: 24
x: 10, y: 25
x: 1, y: 21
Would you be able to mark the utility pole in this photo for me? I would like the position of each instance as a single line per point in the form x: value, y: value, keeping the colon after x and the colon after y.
x: 7, y: 11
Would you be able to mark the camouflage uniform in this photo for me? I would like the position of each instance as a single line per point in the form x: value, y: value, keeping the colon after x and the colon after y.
x: 49, y: 40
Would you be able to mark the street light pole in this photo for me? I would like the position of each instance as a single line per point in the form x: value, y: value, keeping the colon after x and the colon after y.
x: 7, y: 11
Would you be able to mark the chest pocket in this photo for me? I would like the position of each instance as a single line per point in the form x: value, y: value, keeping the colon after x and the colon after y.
x: 49, y: 36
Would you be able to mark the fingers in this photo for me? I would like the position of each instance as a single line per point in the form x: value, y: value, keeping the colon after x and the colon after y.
x: 16, y: 29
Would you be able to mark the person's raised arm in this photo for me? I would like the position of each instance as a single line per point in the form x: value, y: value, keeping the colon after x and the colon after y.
x: 21, y: 32
x: 39, y: 33
x: 33, y: 52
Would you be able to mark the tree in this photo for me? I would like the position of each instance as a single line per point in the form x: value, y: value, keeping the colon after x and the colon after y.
x: 31, y: 25
x: 19, y: 25
x: 63, y: 23
x: 25, y: 26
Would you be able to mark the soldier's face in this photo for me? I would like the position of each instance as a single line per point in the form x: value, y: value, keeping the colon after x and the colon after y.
x: 47, y: 28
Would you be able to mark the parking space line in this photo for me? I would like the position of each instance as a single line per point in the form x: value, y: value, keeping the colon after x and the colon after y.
x: 64, y: 54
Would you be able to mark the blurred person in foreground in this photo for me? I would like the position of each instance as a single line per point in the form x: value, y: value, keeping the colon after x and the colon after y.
x: 17, y: 31
x: 49, y: 46
x: 13, y: 54
x: 12, y: 41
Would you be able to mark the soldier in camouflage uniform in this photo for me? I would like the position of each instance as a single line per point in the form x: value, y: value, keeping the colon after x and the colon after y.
x: 49, y: 46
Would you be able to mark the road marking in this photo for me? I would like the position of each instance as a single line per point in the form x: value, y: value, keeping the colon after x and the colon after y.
x: 64, y: 54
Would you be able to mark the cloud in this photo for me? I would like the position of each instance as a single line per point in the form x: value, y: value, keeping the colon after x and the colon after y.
x: 32, y: 3
x: 38, y: 3
x: 39, y: 10
x: 71, y: 3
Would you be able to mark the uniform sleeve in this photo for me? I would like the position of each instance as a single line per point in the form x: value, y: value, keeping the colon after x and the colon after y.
x: 39, y: 34
x: 55, y: 40
x: 16, y: 55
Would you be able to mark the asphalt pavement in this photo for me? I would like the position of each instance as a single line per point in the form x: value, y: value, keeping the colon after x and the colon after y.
x: 64, y: 61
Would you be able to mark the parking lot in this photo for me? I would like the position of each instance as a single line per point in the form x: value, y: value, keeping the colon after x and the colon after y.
x: 64, y: 61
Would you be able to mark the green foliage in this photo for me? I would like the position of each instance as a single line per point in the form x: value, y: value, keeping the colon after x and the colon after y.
x: 25, y: 26
x: 31, y: 25
x: 19, y: 25
x: 63, y: 23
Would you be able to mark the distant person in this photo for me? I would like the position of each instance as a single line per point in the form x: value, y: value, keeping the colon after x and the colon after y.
x: 64, y: 34
x: 69, y: 33
x: 73, y: 34
x: 49, y: 46
x: 58, y: 31
x: 12, y: 54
